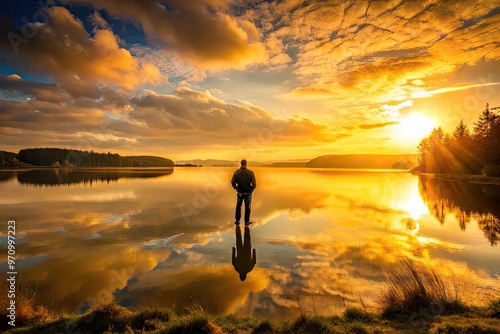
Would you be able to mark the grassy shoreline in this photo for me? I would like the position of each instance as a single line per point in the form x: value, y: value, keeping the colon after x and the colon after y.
x: 471, y: 178
x: 116, y: 319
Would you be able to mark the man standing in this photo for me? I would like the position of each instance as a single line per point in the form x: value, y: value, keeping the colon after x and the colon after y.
x: 244, y: 183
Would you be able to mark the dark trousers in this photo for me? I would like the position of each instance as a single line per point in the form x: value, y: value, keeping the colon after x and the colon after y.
x: 240, y: 198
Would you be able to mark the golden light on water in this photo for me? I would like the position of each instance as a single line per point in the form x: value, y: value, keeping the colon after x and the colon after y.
x: 414, y: 206
x: 322, y: 231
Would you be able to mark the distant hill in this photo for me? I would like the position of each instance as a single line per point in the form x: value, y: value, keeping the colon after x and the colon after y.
x: 219, y: 163
x: 378, y: 161
x: 288, y: 164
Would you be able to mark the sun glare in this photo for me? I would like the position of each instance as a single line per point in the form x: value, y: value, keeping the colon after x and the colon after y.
x: 414, y: 206
x: 415, y: 126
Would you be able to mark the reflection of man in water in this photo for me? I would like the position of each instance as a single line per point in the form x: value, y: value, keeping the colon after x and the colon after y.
x: 244, y: 183
x: 243, y: 258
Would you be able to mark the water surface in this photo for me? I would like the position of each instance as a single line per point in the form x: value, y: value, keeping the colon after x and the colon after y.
x: 323, y: 238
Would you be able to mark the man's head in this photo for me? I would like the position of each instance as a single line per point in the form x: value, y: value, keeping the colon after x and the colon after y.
x: 243, y: 163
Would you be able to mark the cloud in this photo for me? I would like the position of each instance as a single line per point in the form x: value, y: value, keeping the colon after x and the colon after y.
x: 201, y: 31
x: 63, y: 50
x: 377, y: 125
x: 313, y: 92
x: 373, y: 51
x: 15, y: 87
x: 170, y: 63
x: 149, y: 121
x: 422, y: 94
x: 200, y: 113
x: 347, y: 66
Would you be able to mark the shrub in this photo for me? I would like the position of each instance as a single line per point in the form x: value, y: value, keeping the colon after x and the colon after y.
x: 105, y: 317
x: 306, y: 324
x: 265, y: 327
x: 494, y: 309
x: 147, y: 319
x: 356, y: 314
x: 491, y: 170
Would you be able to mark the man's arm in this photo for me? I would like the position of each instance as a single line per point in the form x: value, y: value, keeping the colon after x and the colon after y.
x: 254, y: 182
x: 233, y: 181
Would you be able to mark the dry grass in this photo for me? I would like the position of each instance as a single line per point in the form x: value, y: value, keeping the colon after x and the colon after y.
x: 414, y: 286
x: 28, y: 311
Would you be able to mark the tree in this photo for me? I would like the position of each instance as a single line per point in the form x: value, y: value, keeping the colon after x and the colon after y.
x: 432, y: 151
x: 487, y: 136
x: 466, y: 160
x: 486, y: 122
x: 461, y: 132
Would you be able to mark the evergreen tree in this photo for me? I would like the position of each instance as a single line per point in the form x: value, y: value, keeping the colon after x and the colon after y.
x: 487, y: 136
x: 461, y: 132
x: 485, y: 124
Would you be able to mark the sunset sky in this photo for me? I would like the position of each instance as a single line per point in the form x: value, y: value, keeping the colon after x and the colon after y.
x: 265, y: 80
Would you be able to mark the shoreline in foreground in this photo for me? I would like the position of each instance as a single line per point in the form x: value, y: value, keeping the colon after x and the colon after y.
x: 116, y: 319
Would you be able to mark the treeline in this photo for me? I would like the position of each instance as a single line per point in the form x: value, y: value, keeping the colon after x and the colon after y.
x: 67, y: 157
x: 464, y: 151
x: 8, y: 159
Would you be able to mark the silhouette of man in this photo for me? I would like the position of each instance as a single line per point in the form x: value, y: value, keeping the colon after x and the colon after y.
x: 243, y: 258
x: 244, y: 183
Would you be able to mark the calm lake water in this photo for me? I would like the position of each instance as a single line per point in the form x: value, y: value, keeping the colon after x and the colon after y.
x: 323, y: 238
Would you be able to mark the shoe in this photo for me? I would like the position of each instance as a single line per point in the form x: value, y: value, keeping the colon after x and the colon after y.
x: 248, y: 223
x: 237, y: 223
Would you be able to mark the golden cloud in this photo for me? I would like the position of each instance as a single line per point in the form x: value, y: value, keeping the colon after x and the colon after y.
x: 371, y: 52
x: 310, y: 92
x: 377, y: 125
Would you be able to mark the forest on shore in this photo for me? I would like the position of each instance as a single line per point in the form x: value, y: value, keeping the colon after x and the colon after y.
x: 57, y: 157
x: 464, y: 151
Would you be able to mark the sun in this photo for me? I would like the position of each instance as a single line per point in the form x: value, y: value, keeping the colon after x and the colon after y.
x: 415, y: 126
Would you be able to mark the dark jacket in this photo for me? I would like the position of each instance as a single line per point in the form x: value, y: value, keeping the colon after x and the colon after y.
x: 243, y: 180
